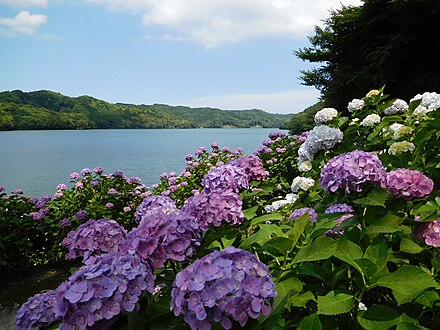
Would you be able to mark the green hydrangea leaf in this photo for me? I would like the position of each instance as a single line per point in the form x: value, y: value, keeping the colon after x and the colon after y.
x: 409, y: 246
x: 334, y: 303
x: 378, y: 317
x: 310, y: 322
x: 321, y: 248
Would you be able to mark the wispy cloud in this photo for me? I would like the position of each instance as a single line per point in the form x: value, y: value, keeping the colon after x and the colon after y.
x: 24, y: 3
x: 24, y: 23
x: 279, y: 102
x: 215, y: 22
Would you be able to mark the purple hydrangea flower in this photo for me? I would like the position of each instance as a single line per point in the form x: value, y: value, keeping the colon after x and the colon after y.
x: 215, y: 145
x: 252, y: 165
x: 65, y: 223
x: 86, y: 171
x: 74, y: 175
x: 81, y: 214
x: 101, y: 289
x: 214, y: 208
x: 94, y: 183
x: 112, y: 191
x: 2, y: 188
x: 155, y: 204
x: 94, y: 237
x: 61, y: 186
x: 274, y: 135
x: 408, y: 183
x: 38, y: 216
x: 117, y: 173
x: 42, y: 201
x: 338, y: 208
x: 188, y: 157
x: 98, y: 170
x: 38, y: 311
x: 226, y: 286
x: 226, y: 177
x: 109, y: 205
x: 160, y: 237
x: 351, y: 171
x: 17, y: 191
x: 313, y: 215
x: 430, y: 232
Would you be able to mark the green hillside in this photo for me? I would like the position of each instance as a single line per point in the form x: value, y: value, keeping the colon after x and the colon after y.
x: 50, y: 110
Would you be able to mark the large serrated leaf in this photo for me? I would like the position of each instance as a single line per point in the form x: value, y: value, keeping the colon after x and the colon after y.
x: 321, y: 248
x: 408, y: 246
x: 387, y: 224
x: 287, y: 287
x: 377, y: 252
x: 348, y: 252
x: 378, y: 317
x: 250, y: 212
x: 281, y: 245
x: 407, y: 283
x: 334, y: 303
x: 375, y: 197
x: 310, y: 322
x: 302, y: 299
x: 298, y: 228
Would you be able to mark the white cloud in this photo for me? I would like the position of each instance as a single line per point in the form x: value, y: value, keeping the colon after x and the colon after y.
x: 281, y: 102
x: 23, y: 23
x: 24, y: 3
x: 215, y: 22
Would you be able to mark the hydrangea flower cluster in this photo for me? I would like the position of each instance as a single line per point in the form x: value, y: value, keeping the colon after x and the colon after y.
x: 338, y: 208
x: 161, y: 237
x: 408, y: 183
x: 226, y: 177
x: 400, y: 147
x: 430, y: 102
x: 276, y: 205
x: 106, y: 285
x: 371, y: 120
x: 252, y: 165
x: 214, y: 208
x: 94, y: 237
x: 401, y: 131
x: 397, y: 106
x: 325, y: 115
x: 38, y: 311
x: 355, y: 105
x: 153, y: 204
x: 222, y: 287
x: 296, y: 214
x: 320, y: 138
x: 305, y: 166
x: 302, y: 183
x: 351, y: 171
x: 430, y: 232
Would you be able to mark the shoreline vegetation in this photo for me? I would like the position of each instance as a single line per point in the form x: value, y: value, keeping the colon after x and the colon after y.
x: 48, y: 110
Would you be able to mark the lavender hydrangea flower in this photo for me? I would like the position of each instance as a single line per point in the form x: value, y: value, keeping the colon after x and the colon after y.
x: 351, y: 171
x: 94, y: 237
x: 61, y: 186
x: 320, y: 138
x: 81, y: 214
x: 408, y: 183
x: 226, y: 177
x: 278, y: 134
x: 155, y: 204
x: 296, y: 214
x: 252, y: 165
x: 74, y: 175
x: 430, y: 232
x: 226, y: 286
x: 17, y: 191
x: 42, y: 201
x: 98, y: 170
x: 2, y: 188
x: 214, y: 208
x: 161, y: 237
x: 65, y: 223
x: 86, y: 171
x: 112, y: 191
x: 38, y: 311
x: 338, y: 208
x: 105, y: 286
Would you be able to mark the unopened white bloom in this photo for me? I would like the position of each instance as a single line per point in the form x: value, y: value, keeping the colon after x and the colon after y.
x: 305, y: 166
x: 325, y: 115
x: 400, y: 147
x: 371, y: 120
x: 397, y: 106
x: 362, y: 306
x: 374, y: 92
x: 302, y: 183
x: 401, y: 132
x: 355, y: 105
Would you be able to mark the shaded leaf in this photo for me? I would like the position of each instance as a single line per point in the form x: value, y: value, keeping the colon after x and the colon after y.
x: 378, y: 317
x: 310, y: 322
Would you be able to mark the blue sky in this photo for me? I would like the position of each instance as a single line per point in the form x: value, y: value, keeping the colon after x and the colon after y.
x: 230, y: 54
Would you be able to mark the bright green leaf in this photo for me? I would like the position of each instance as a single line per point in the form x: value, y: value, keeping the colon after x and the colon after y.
x: 409, y: 246
x: 407, y: 282
x: 348, y: 251
x: 377, y: 252
x: 334, y: 303
x: 250, y: 212
x: 298, y: 228
x: 409, y: 326
x: 376, y: 197
x: 266, y: 217
x: 428, y: 298
x: 387, y: 224
x: 287, y: 287
x: 302, y: 299
x: 321, y: 248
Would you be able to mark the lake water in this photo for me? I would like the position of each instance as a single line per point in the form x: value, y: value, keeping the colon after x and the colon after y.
x: 36, y: 161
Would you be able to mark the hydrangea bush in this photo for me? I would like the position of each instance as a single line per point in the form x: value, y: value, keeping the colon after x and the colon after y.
x: 326, y: 230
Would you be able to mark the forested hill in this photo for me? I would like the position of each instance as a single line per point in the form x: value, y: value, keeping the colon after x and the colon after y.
x: 50, y: 110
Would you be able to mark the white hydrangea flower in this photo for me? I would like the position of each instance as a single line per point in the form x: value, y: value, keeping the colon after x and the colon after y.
x: 305, y: 166
x: 430, y: 102
x: 397, y: 106
x: 325, y: 115
x: 362, y: 307
x: 321, y: 137
x: 355, y: 105
x: 394, y: 127
x: 303, y: 183
x: 400, y: 147
x: 371, y: 120
x: 275, y: 206
x: 374, y: 92
x: 401, y: 132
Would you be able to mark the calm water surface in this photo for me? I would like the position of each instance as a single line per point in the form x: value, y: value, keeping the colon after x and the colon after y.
x: 36, y: 161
